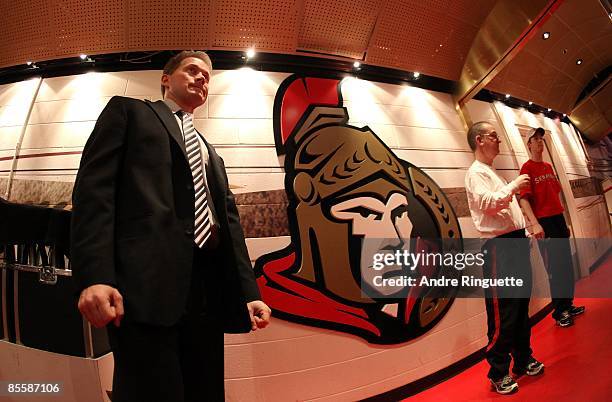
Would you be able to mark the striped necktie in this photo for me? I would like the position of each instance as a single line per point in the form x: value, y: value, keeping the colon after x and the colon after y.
x: 202, y: 227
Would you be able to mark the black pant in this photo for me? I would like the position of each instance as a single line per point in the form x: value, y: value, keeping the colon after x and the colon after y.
x: 509, y: 330
x: 180, y: 363
x: 558, y: 262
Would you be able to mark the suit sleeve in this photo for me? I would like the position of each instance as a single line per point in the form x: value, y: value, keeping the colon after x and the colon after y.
x: 92, y: 236
x: 245, y: 270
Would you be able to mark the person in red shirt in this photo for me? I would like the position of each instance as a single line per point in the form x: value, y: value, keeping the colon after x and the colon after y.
x: 540, y: 202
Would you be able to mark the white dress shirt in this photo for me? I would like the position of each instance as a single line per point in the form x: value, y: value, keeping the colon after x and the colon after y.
x: 494, y: 209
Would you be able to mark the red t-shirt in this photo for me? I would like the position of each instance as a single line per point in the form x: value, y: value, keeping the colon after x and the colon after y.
x: 543, y: 194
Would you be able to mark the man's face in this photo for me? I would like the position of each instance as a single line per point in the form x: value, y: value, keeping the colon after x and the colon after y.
x: 384, y: 227
x: 490, y: 141
x: 536, y: 145
x: 188, y: 84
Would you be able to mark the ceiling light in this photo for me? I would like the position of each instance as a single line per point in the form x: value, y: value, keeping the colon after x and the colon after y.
x: 83, y: 56
x: 356, y: 64
x: 546, y: 35
x: 29, y: 63
x: 579, y: 61
x: 507, y: 96
x: 250, y: 53
x: 530, y: 103
x: 549, y: 109
x: 416, y: 74
x: 564, y: 115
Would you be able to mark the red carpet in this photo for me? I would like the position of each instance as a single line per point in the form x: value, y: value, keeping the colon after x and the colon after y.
x: 578, y: 360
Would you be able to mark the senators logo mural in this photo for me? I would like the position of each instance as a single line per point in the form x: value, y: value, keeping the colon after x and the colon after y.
x: 349, y: 196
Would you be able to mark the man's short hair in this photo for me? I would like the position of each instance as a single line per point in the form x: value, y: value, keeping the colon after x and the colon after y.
x: 175, y: 61
x: 477, y: 129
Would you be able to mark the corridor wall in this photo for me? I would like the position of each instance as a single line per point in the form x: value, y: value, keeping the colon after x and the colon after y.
x: 289, y: 361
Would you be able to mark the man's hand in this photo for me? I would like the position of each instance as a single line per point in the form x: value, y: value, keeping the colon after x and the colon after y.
x: 260, y: 314
x: 522, y: 182
x: 101, y: 304
x: 536, y: 231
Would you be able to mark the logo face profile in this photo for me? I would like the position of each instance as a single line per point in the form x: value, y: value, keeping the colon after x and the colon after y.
x: 351, y: 198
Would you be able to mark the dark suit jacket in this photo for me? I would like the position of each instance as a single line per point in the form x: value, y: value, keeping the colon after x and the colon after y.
x: 133, y: 218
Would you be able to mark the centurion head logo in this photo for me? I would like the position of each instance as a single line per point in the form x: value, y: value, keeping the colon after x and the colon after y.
x: 349, y: 197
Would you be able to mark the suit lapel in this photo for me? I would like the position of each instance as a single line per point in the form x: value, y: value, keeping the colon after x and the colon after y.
x: 216, y: 183
x: 213, y: 169
x: 167, y: 118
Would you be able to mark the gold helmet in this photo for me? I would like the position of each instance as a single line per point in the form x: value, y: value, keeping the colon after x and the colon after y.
x: 334, y: 161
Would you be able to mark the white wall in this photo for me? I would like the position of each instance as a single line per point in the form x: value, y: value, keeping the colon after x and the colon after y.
x: 15, y: 102
x: 588, y: 215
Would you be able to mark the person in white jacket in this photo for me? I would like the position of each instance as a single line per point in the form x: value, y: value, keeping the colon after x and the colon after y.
x: 498, y: 219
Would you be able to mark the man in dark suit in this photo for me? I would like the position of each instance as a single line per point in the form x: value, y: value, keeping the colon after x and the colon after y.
x: 157, y: 247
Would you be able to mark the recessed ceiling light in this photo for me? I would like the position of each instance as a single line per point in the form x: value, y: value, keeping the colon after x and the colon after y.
x: 546, y: 35
x: 356, y: 64
x: 416, y: 74
x: 579, y: 61
x: 250, y: 53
